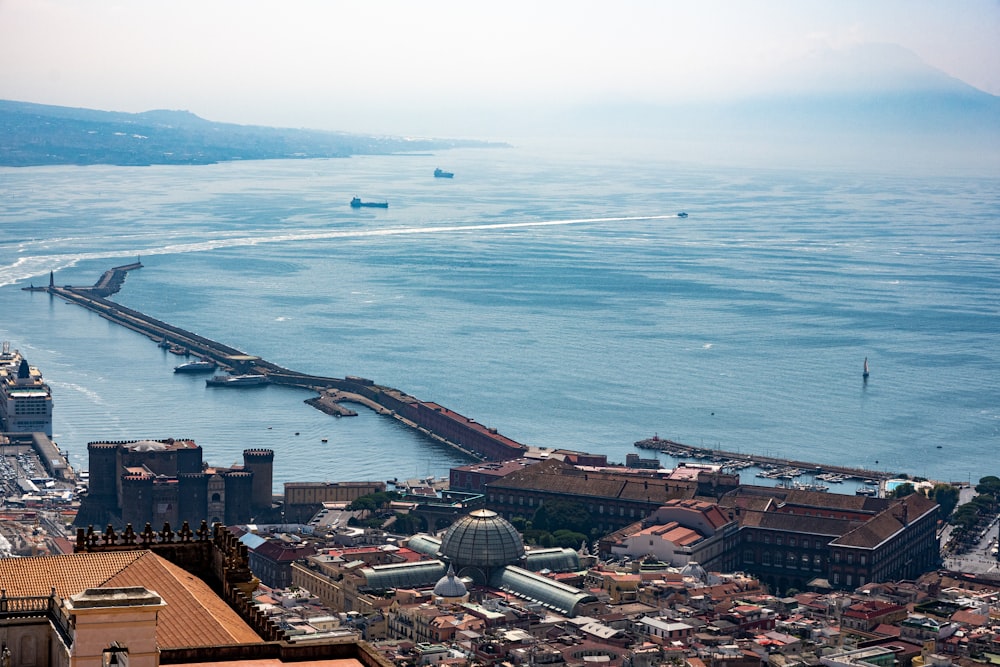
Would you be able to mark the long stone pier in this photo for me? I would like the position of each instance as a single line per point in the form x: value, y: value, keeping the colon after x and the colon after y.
x: 438, y: 423
x: 433, y: 420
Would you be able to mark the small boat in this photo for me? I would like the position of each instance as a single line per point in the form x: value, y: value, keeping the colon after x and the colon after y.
x: 357, y: 203
x: 236, y: 381
x: 682, y: 214
x: 864, y: 373
x: 203, y: 366
x: 869, y: 491
x: 441, y: 173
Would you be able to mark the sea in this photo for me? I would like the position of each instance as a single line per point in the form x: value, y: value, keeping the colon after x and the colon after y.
x: 554, y: 295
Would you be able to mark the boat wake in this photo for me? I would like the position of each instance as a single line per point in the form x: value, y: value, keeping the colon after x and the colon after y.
x: 39, y: 265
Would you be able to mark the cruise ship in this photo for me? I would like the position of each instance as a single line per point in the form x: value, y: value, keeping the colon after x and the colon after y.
x: 25, y: 399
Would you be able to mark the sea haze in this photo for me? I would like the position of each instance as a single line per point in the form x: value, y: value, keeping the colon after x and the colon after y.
x: 555, y: 297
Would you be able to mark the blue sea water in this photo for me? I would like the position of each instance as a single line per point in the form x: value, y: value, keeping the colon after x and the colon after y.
x: 556, y: 297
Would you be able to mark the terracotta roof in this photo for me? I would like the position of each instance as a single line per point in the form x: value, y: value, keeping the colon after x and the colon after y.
x: 278, y: 552
x: 556, y: 476
x: 194, y: 615
x: 966, y: 617
x: 68, y: 574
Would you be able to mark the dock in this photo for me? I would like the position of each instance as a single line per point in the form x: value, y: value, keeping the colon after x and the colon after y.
x: 464, y: 434
x: 737, y: 460
x: 433, y: 421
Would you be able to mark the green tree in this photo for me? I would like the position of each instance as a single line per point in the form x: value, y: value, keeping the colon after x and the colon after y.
x: 562, y: 515
x: 946, y: 496
x: 902, y: 490
x: 568, y: 539
x: 989, y: 485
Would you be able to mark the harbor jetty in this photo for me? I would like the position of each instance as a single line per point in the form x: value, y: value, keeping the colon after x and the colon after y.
x: 784, y: 468
x: 432, y: 420
x: 435, y: 421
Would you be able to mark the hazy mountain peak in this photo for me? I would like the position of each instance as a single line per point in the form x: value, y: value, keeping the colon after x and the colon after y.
x: 865, y: 68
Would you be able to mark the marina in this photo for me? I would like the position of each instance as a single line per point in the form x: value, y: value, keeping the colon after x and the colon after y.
x: 774, y: 468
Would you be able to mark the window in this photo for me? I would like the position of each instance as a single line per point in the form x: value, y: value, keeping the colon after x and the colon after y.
x: 791, y: 541
x: 767, y: 539
x: 862, y: 559
x: 765, y: 558
x: 777, y: 539
x: 748, y: 556
x: 850, y: 560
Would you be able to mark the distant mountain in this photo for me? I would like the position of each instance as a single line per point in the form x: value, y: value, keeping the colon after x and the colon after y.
x: 872, y: 102
x: 38, y: 134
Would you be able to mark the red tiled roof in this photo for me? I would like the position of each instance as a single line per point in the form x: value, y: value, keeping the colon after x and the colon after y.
x: 194, y: 615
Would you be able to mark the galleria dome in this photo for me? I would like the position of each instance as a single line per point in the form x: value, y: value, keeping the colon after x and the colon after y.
x: 482, y: 539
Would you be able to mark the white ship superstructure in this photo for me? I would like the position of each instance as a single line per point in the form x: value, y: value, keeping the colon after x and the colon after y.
x: 25, y: 399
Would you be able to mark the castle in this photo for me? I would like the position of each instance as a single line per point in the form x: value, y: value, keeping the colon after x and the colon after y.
x: 165, y: 481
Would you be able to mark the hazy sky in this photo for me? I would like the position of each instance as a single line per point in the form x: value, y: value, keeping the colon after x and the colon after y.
x: 413, y: 66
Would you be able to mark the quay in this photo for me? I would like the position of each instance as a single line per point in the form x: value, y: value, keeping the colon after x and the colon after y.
x: 679, y: 450
x: 434, y: 421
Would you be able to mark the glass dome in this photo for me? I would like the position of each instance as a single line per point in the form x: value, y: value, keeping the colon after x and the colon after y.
x: 482, y: 539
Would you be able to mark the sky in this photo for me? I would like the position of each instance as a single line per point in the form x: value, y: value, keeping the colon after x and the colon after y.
x: 426, y: 67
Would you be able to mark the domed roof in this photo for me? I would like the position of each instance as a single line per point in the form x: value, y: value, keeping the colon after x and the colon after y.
x: 482, y: 539
x: 694, y: 570
x: 450, y: 586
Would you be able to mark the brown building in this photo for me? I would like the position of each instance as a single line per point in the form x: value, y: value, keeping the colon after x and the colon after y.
x: 614, y: 497
x: 805, y: 539
x: 304, y: 499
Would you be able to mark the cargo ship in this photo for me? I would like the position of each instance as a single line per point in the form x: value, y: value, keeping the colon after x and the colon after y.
x: 357, y: 203
x: 441, y: 173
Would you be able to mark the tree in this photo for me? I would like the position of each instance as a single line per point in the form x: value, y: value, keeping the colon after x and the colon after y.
x: 902, y: 490
x: 568, y: 539
x: 562, y: 515
x: 989, y: 485
x: 946, y: 496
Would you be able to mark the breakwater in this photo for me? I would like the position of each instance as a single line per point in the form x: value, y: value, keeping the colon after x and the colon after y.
x: 435, y: 421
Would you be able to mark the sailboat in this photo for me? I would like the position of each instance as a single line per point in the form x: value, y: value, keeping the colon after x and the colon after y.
x: 864, y: 373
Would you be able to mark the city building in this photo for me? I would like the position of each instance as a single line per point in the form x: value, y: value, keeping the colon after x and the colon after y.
x: 613, y: 497
x: 796, y: 539
x: 681, y: 532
